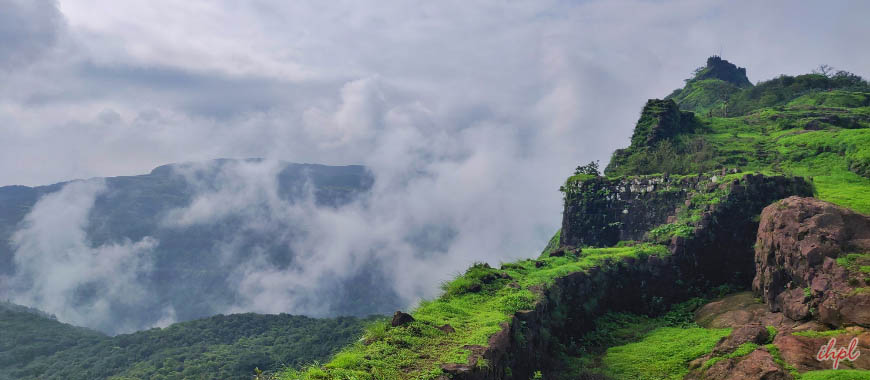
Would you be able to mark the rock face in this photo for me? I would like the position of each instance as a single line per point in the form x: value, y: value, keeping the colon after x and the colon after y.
x: 799, y: 241
x: 601, y: 212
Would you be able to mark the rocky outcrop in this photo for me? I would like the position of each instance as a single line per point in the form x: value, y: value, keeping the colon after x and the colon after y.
x: 758, y: 365
x: 793, y: 347
x: 718, y: 68
x: 400, y: 319
x: 721, y: 213
x: 797, y: 272
x: 660, y: 120
x: 743, y: 309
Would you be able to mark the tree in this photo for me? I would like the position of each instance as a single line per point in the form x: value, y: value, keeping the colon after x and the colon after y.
x: 825, y: 70
x: 590, y: 168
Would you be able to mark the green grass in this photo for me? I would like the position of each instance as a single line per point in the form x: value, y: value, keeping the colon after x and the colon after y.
x: 859, y: 262
x: 474, y: 304
x: 664, y: 354
x: 774, y: 141
x: 743, y: 350
x: 771, y: 332
x: 553, y: 244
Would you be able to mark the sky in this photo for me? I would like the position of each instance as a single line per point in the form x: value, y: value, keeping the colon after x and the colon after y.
x: 469, y: 114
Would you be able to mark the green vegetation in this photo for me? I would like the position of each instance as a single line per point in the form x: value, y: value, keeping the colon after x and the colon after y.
x: 33, y: 345
x: 665, y: 232
x: 858, y: 262
x: 771, y: 331
x: 552, y: 244
x: 830, y: 146
x: 815, y: 126
x: 666, y: 353
x: 614, y: 338
x: 743, y: 350
x: 474, y: 304
x: 721, y: 89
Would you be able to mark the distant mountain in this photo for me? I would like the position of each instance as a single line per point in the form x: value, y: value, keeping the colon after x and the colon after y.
x: 33, y: 345
x: 190, y: 268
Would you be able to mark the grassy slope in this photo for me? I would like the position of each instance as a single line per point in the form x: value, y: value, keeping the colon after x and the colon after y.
x: 777, y: 141
x: 416, y: 351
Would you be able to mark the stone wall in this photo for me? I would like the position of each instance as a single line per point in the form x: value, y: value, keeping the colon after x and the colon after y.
x: 600, y: 212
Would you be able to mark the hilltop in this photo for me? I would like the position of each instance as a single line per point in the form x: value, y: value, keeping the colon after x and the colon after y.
x: 649, y: 276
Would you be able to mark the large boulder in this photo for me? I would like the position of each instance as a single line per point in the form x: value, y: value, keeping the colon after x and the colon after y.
x: 797, y: 272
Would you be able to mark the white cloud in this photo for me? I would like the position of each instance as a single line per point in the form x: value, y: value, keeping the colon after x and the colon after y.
x: 60, y: 272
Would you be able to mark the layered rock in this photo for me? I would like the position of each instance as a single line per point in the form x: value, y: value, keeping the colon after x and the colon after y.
x: 799, y: 242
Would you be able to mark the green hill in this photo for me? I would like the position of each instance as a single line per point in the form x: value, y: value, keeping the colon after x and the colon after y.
x: 34, y: 345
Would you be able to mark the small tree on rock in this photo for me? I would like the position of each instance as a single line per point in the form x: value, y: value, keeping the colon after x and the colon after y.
x: 591, y: 168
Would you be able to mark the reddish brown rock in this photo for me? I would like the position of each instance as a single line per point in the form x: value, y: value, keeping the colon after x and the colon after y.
x: 798, y: 242
x: 754, y: 333
x: 800, y: 351
x: 743, y: 309
x: 758, y: 365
